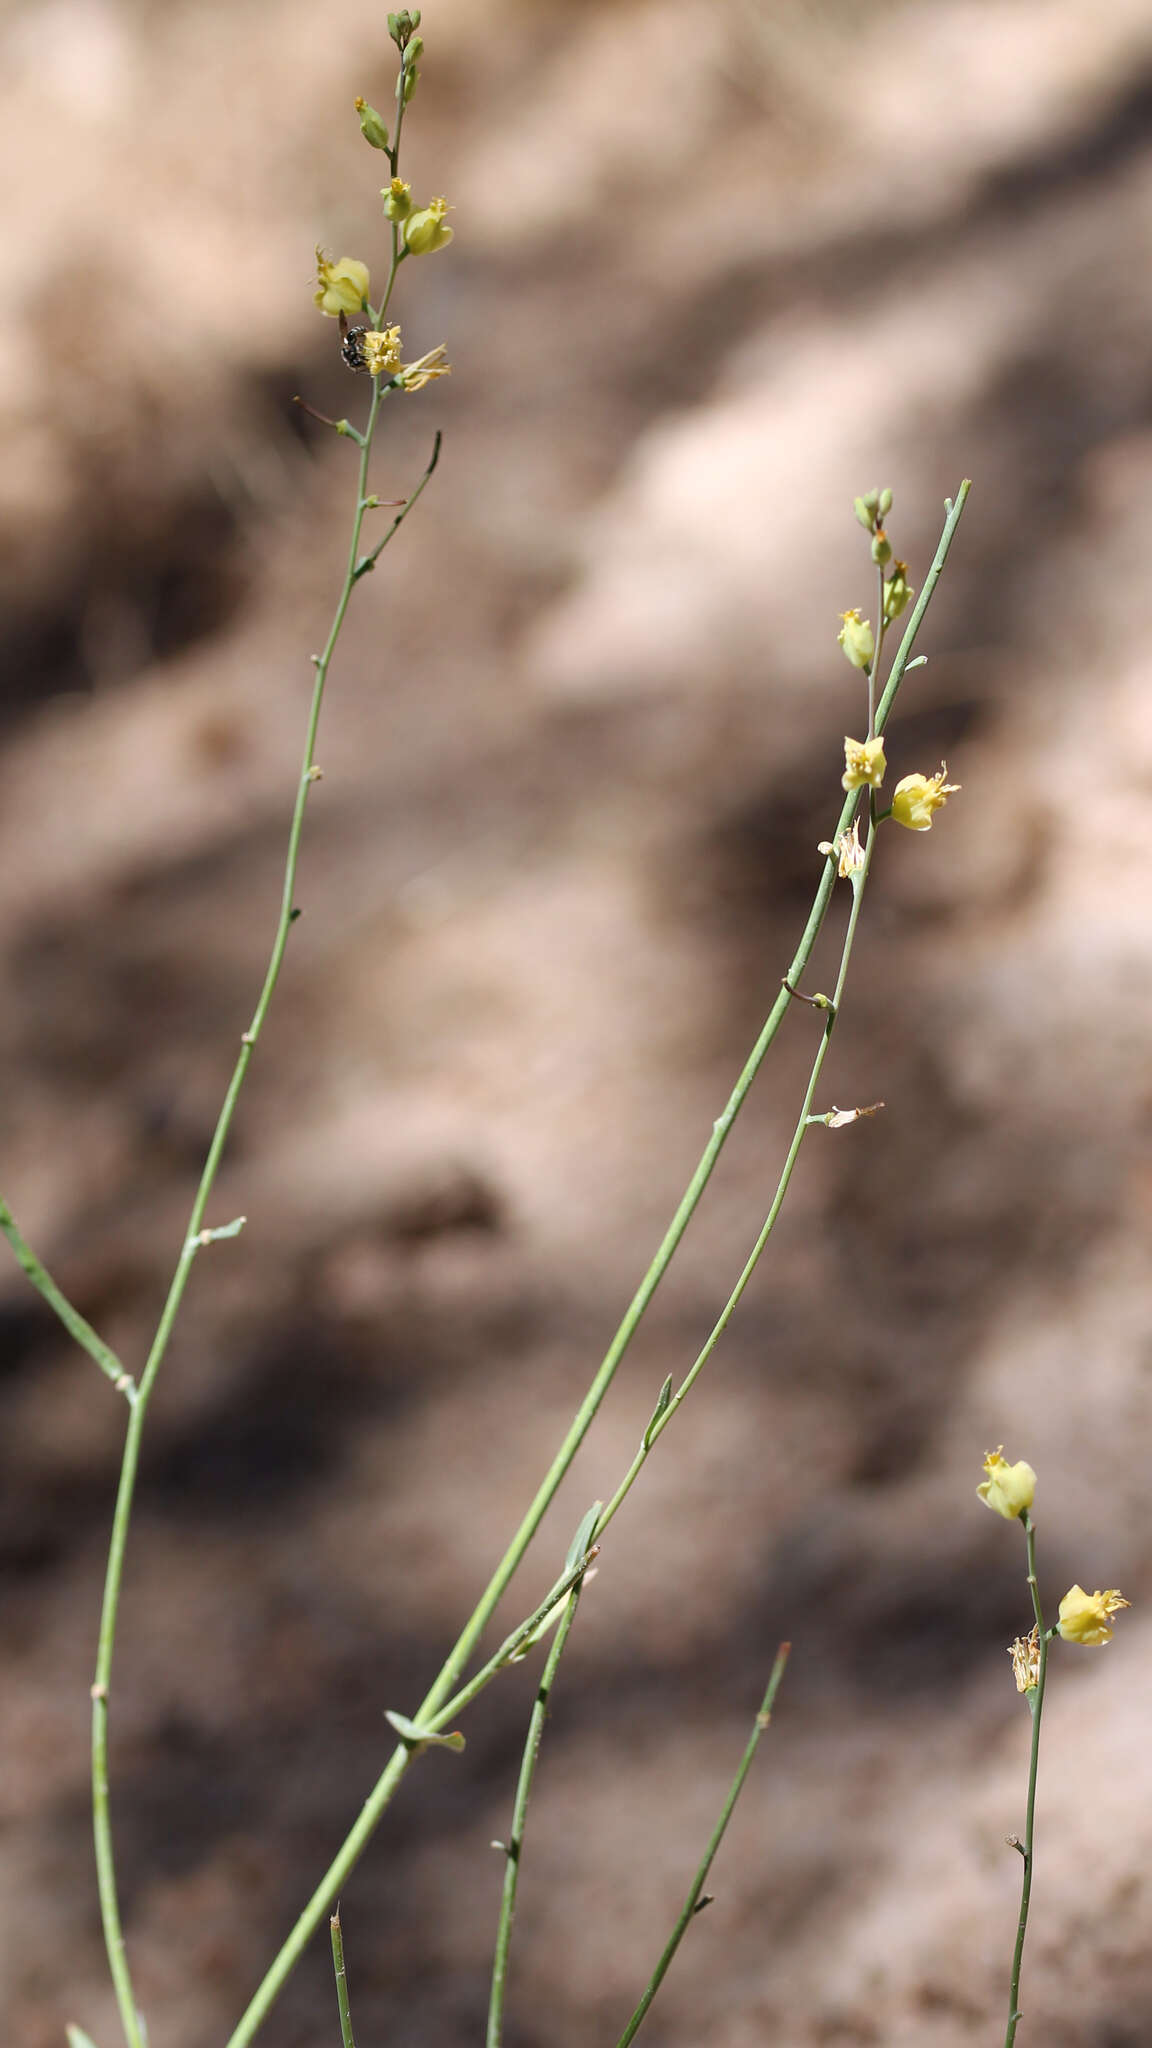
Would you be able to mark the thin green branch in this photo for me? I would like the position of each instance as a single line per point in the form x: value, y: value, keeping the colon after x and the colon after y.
x: 694, y: 1899
x: 195, y: 1237
x: 71, y: 1318
x: 368, y: 561
x: 668, y: 1408
x: 432, y: 1718
x: 1036, y: 1702
x: 341, y: 1982
x: 449, y: 1676
x: 514, y: 1846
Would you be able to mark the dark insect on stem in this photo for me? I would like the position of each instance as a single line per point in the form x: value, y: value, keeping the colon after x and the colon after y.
x: 352, y: 344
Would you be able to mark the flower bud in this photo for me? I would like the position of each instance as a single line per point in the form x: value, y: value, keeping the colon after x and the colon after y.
x: 1087, y: 1617
x: 397, y: 199
x: 342, y: 287
x: 1009, y: 1489
x: 425, y: 230
x: 371, y: 126
x: 884, y: 503
x: 917, y: 798
x: 897, y: 591
x: 402, y: 26
x: 857, y: 639
x: 864, y: 763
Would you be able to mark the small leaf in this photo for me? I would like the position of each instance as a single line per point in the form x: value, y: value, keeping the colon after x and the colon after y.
x: 583, y: 1536
x: 77, y: 2038
x: 415, y: 1738
x: 661, y: 1409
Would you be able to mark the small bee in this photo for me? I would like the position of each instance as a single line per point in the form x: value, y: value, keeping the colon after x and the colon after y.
x: 352, y: 344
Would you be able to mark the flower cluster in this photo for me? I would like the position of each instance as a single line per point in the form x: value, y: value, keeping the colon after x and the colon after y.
x: 343, y: 284
x: 1084, y: 1618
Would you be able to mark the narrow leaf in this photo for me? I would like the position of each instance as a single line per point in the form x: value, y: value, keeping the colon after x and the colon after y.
x: 583, y: 1536
x: 416, y: 1737
x: 660, y: 1410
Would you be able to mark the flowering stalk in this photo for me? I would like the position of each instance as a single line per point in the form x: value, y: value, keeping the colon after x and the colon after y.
x: 1084, y: 1618
x: 433, y: 1711
x: 342, y: 286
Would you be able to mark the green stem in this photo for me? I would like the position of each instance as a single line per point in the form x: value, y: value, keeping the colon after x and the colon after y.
x: 102, y: 1826
x: 495, y: 2033
x: 433, y: 1717
x: 693, y: 1901
x: 660, y: 1422
x: 377, y: 1803
x: 71, y: 1318
x: 341, y: 1982
x: 874, y: 664
x: 1036, y: 1702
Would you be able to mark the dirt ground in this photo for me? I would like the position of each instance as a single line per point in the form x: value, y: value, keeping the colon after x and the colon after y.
x: 717, y: 267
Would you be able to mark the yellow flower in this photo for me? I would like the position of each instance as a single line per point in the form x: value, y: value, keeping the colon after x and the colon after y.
x: 425, y: 230
x: 864, y: 763
x: 381, y: 351
x: 414, y: 376
x: 397, y: 199
x: 917, y: 798
x: 856, y: 638
x: 341, y: 287
x: 1008, y: 1489
x: 1086, y: 1617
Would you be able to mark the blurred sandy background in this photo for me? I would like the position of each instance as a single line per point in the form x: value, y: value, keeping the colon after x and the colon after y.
x: 717, y: 267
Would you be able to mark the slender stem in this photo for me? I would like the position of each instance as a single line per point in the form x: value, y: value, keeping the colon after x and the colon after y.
x: 896, y: 672
x: 432, y: 1716
x: 1036, y: 1702
x: 874, y: 664
x: 692, y: 1902
x: 449, y: 1675
x: 512, y: 1853
x: 341, y: 1982
x: 102, y: 1827
x: 71, y: 1318
x: 660, y: 1423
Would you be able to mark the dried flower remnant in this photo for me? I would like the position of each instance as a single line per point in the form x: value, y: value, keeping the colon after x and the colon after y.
x: 1025, y: 1655
x: 847, y: 851
x: 1087, y: 1617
